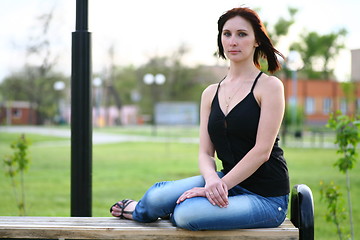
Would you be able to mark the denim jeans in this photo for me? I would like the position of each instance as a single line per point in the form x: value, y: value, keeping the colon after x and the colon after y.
x: 245, y: 209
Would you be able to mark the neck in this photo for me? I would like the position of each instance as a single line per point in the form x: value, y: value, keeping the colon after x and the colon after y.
x: 241, y: 70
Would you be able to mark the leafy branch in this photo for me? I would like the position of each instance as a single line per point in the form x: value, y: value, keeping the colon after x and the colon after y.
x: 15, y: 164
x: 330, y: 193
x: 347, y: 138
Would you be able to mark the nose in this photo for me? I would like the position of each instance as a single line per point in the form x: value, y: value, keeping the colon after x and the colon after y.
x: 233, y: 41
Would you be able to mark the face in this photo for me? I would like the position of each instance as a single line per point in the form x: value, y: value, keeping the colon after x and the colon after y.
x: 238, y: 39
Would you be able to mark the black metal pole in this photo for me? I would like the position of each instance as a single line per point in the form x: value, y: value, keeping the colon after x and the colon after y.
x: 81, y: 115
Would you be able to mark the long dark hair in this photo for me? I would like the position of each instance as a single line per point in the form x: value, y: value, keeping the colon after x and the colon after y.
x: 265, y: 49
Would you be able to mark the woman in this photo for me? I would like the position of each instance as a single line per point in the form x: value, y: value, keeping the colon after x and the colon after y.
x: 240, y: 118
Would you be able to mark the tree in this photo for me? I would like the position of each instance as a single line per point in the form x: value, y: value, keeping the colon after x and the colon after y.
x: 125, y: 82
x: 315, y: 48
x: 347, y: 138
x: 35, y: 81
x: 282, y: 26
x: 183, y: 83
x: 29, y: 84
x: 332, y: 196
x: 279, y: 30
x: 18, y: 163
x: 112, y: 85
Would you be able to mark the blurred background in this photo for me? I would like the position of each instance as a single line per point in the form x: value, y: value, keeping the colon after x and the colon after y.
x: 152, y: 59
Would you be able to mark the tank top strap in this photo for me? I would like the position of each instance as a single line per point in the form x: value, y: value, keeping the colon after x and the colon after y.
x: 217, y: 90
x: 256, y: 79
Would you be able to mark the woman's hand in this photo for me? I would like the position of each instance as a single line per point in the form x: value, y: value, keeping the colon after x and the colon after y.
x: 194, y: 192
x: 217, y: 192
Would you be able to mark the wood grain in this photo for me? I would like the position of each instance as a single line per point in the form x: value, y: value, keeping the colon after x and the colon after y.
x: 113, y: 228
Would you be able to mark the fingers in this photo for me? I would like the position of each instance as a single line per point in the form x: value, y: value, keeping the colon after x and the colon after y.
x: 184, y: 196
x: 210, y: 196
x: 218, y: 197
x: 194, y: 192
x: 181, y: 198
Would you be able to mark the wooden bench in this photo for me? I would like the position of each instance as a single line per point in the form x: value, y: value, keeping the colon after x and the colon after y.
x: 299, y: 226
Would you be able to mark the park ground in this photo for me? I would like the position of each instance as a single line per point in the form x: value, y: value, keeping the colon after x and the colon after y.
x: 127, y: 160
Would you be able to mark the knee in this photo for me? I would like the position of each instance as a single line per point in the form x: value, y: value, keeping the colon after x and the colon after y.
x: 183, y: 220
x: 185, y: 217
x: 155, y: 196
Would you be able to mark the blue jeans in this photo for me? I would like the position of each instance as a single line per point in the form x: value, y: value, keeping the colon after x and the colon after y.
x: 245, y: 209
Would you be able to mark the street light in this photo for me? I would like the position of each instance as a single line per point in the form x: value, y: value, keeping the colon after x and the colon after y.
x: 150, y: 79
x: 294, y: 63
x: 158, y: 79
x: 81, y: 116
x: 59, y: 85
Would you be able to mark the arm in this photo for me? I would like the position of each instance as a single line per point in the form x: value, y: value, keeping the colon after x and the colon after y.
x: 206, y: 153
x: 270, y: 96
x: 215, y: 189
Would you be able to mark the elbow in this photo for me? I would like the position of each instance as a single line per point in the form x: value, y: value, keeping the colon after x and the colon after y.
x: 265, y: 158
x: 264, y: 155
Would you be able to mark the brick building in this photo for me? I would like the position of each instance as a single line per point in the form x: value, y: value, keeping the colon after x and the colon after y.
x: 318, y: 98
x: 17, y: 113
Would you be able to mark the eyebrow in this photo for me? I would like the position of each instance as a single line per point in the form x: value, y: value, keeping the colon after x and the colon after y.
x: 238, y: 30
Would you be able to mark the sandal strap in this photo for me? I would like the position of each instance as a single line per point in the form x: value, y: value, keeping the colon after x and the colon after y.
x: 125, y: 203
x: 127, y: 212
x: 122, y: 206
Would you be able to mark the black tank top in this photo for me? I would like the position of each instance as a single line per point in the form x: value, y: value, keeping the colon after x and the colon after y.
x: 234, y: 135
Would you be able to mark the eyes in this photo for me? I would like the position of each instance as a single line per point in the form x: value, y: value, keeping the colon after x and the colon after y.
x: 239, y: 33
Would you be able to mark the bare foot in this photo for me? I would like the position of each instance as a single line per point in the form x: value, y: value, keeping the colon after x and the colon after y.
x: 124, y: 209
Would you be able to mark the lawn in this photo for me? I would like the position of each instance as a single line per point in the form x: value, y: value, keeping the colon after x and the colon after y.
x: 126, y: 170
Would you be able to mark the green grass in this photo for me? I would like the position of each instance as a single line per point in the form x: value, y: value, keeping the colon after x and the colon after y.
x: 7, y: 138
x: 126, y: 170
x: 147, y: 130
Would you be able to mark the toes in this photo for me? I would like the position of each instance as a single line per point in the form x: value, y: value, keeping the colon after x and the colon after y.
x: 115, y: 214
x: 123, y: 209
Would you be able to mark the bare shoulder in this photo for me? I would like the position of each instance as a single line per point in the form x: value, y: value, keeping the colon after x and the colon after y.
x: 209, y: 93
x: 270, y: 84
x: 268, y: 87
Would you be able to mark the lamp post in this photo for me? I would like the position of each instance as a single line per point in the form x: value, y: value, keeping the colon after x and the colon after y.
x: 294, y: 63
x: 152, y: 80
x: 81, y: 117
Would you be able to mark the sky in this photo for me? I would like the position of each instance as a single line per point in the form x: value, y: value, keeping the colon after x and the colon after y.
x: 139, y: 29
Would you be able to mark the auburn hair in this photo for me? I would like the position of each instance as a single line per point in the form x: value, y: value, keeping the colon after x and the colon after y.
x: 265, y: 49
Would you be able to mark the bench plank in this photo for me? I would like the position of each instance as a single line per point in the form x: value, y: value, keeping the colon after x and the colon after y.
x: 113, y: 228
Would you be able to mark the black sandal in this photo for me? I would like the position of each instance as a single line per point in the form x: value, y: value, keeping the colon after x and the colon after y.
x: 122, y: 206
